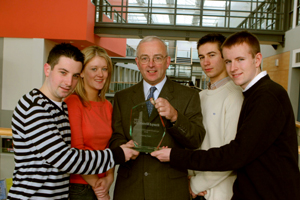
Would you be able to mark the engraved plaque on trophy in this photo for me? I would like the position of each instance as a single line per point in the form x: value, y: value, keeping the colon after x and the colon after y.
x: 147, y: 136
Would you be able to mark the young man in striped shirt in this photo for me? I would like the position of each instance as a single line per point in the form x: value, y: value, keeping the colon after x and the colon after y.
x: 41, y: 134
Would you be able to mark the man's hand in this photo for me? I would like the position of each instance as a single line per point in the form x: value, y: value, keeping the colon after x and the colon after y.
x: 165, y: 109
x: 100, y: 195
x: 129, y: 144
x: 191, y: 192
x: 100, y: 190
x: 163, y: 155
x: 128, y: 152
x: 202, y: 193
x: 102, y: 186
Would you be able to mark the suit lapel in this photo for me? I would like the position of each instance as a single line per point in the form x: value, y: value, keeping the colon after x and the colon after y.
x: 138, y: 94
x: 167, y: 90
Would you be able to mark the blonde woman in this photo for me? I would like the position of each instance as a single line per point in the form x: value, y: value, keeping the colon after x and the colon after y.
x: 90, y: 116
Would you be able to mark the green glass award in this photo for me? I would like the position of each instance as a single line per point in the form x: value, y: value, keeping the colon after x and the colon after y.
x: 147, y: 135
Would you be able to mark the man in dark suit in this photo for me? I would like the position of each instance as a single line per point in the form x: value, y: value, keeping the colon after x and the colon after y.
x: 179, y: 106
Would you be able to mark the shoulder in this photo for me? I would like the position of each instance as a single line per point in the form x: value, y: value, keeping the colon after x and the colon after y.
x: 107, y: 103
x: 272, y: 86
x: 34, y: 105
x: 233, y: 89
x: 181, y: 88
x: 268, y: 89
x: 72, y: 98
x: 127, y: 91
x: 33, y: 98
x: 73, y: 102
x: 267, y: 94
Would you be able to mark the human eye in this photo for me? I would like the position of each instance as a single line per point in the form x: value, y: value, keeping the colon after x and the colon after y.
x: 201, y: 57
x: 94, y: 69
x: 212, y: 55
x: 144, y: 58
x: 227, y: 62
x: 158, y: 58
x: 63, y: 73
x: 76, y: 76
x: 104, y: 69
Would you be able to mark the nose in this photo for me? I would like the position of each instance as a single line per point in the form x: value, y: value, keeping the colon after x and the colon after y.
x: 206, y: 61
x: 100, y: 73
x: 69, y: 80
x: 233, y: 66
x: 151, y: 62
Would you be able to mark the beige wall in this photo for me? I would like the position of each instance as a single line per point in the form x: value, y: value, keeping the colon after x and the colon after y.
x: 280, y: 73
x: 23, y: 63
x: 21, y: 67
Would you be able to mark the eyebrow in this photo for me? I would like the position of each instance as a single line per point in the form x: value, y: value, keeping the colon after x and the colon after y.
x: 158, y: 54
x: 63, y: 69
x: 212, y: 52
x: 207, y: 53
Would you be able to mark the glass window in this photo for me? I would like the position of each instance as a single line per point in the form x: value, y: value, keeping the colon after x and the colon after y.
x: 109, y: 14
x: 291, y: 9
x: 115, y: 16
x: 290, y: 20
x: 298, y: 15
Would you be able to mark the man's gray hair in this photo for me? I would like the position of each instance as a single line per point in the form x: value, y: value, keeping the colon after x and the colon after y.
x: 149, y: 39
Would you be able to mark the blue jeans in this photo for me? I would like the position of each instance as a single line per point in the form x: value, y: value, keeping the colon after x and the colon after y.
x: 81, y: 191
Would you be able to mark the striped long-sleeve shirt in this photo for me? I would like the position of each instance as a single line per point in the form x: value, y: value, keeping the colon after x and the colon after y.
x: 43, y: 157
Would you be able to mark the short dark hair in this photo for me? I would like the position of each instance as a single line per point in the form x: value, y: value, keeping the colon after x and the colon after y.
x: 243, y: 37
x: 64, y: 49
x: 213, y: 38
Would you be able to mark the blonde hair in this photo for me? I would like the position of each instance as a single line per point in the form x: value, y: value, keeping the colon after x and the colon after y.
x: 89, y: 53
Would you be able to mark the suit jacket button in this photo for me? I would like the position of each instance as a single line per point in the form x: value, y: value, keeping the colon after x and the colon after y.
x: 146, y: 173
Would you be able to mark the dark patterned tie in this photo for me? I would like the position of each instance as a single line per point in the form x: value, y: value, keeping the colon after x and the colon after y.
x: 149, y: 104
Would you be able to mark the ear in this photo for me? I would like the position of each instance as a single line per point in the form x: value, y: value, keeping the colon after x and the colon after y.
x: 81, y: 75
x: 47, y: 69
x: 258, y: 59
x: 168, y: 61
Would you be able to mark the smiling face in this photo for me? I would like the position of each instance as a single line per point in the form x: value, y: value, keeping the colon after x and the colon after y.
x: 62, y: 79
x: 95, y: 74
x: 211, y: 61
x: 153, y: 73
x: 240, y: 64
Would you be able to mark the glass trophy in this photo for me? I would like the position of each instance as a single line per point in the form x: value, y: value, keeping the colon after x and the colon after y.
x: 147, y: 135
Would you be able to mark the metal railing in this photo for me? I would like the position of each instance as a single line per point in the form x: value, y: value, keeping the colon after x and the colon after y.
x: 249, y: 14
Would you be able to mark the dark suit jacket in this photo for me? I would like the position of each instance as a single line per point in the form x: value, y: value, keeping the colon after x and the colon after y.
x: 146, y: 177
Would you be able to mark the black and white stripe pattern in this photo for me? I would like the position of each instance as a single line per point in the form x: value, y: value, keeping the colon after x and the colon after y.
x: 43, y: 157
